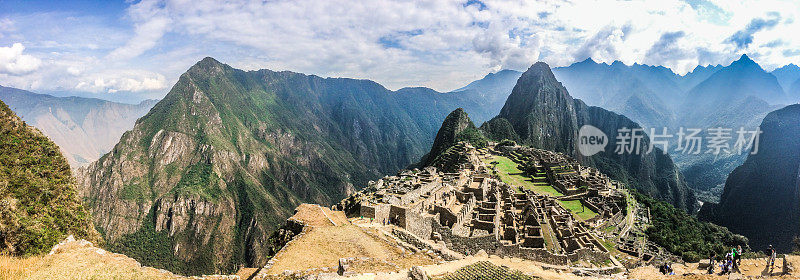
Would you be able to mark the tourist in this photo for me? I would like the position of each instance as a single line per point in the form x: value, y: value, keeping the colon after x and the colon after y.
x: 711, y: 260
x: 738, y: 258
x: 725, y: 266
x: 771, y: 258
x: 734, y: 256
x: 666, y: 269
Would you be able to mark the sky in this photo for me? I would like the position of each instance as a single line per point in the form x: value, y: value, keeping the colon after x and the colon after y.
x: 134, y: 50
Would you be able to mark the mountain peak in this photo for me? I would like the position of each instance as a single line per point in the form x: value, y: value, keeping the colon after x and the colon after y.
x: 456, y: 127
x: 539, y: 70
x: 588, y: 60
x: 206, y: 64
x: 744, y: 59
x: 744, y: 62
x: 787, y: 67
x: 618, y: 63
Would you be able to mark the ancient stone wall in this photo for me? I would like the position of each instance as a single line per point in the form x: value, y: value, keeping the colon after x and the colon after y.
x: 378, y: 212
x: 397, y: 216
x: 420, y: 225
x: 466, y: 245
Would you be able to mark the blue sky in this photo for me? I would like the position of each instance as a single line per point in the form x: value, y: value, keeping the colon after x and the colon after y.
x: 130, y: 50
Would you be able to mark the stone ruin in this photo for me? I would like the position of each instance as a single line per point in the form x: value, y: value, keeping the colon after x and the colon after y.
x: 470, y: 210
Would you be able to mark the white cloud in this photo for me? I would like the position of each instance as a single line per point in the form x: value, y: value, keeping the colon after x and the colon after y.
x: 441, y: 44
x: 151, y: 25
x: 121, y: 81
x: 14, y: 62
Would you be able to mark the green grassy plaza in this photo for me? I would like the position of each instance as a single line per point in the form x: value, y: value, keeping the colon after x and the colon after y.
x: 509, y: 173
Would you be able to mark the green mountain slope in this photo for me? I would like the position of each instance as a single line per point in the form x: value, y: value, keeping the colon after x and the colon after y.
x: 226, y: 156
x: 39, y: 205
x: 456, y: 127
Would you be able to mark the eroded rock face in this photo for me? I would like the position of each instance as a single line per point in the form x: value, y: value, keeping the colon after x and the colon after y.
x: 541, y: 111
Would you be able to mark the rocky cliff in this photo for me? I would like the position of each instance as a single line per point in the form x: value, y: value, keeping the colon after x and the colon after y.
x: 761, y: 199
x: 216, y: 166
x: 541, y: 113
x: 39, y: 204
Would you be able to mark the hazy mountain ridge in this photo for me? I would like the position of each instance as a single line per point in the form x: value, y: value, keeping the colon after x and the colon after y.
x: 655, y: 96
x: 84, y: 128
x: 491, y: 92
x: 787, y: 75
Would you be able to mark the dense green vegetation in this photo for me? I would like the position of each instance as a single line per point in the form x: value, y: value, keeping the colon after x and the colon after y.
x: 473, y: 136
x: 499, y: 128
x: 39, y: 205
x: 456, y: 128
x: 155, y: 248
x: 200, y: 179
x: 507, y: 143
x: 684, y: 235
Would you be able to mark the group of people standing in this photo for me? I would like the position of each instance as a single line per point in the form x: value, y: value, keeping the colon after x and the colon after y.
x: 728, y: 264
x: 733, y: 260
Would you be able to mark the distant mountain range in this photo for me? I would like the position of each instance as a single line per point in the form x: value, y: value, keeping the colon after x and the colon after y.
x: 733, y: 96
x: 84, y: 128
x: 214, y: 167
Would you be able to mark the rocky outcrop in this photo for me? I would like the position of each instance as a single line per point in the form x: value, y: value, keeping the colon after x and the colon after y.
x: 761, y: 199
x: 541, y: 111
x: 542, y: 114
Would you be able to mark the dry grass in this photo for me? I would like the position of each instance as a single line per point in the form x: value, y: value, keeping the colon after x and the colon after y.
x: 327, y: 243
x: 74, y: 261
x: 316, y: 216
